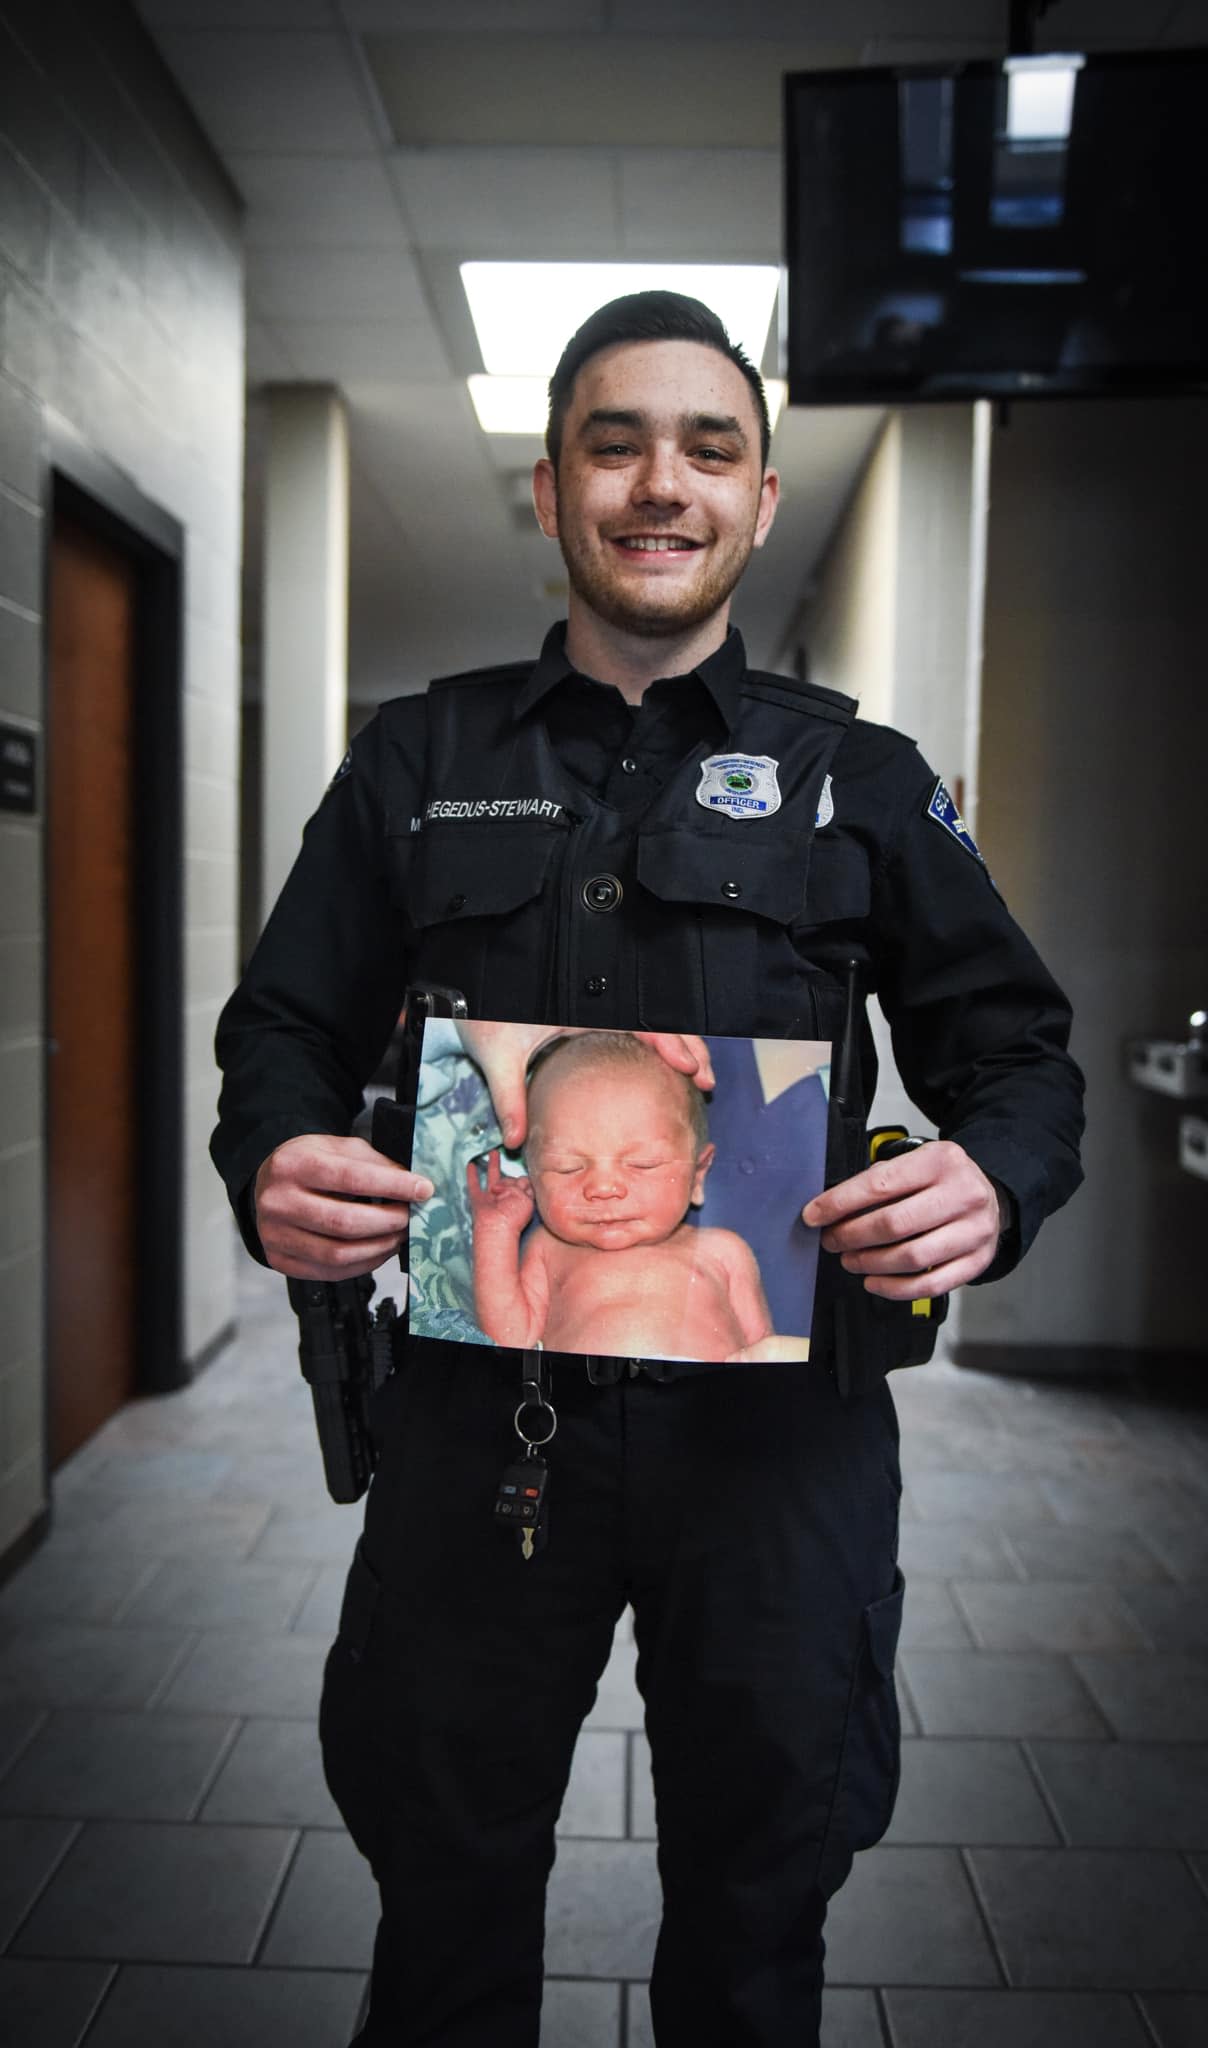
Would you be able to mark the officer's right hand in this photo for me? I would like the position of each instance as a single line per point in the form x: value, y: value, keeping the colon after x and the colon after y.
x: 330, y: 1208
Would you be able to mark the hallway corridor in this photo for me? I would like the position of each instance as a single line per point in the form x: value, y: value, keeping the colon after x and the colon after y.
x: 172, y: 1870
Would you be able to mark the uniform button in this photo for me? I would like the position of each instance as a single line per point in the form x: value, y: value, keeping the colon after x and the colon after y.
x: 596, y: 985
x: 731, y: 889
x: 603, y: 892
x: 629, y: 766
x: 457, y: 902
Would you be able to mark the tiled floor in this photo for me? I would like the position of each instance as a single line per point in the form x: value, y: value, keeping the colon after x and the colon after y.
x: 172, y: 1870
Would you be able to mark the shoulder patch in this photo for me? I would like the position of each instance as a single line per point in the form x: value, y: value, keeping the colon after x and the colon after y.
x: 942, y: 809
x: 342, y: 772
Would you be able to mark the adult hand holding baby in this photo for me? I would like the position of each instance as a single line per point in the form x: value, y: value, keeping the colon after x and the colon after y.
x: 504, y: 1051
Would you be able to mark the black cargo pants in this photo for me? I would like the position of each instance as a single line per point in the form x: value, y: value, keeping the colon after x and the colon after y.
x: 750, y: 1516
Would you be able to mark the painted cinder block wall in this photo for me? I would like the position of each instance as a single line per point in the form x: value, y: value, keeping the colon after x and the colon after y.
x: 121, y: 315
x: 1094, y: 744
x: 1081, y: 736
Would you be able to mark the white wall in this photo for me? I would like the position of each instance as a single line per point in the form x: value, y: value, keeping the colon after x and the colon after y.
x: 1094, y: 755
x: 121, y: 308
x: 850, y: 622
x: 895, y: 618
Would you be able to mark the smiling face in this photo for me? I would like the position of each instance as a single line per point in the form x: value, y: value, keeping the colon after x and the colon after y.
x: 612, y: 1155
x: 659, y: 495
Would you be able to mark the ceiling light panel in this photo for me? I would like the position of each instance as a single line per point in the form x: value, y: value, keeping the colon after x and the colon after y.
x: 519, y: 405
x: 525, y: 313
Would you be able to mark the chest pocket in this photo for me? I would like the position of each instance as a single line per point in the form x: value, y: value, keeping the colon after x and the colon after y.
x: 764, y: 935
x: 473, y: 899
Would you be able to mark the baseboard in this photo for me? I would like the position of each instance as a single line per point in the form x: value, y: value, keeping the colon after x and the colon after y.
x: 23, y: 1548
x: 209, y: 1351
x: 1170, y: 1375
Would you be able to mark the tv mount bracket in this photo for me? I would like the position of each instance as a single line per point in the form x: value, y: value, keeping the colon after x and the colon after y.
x: 1022, y: 17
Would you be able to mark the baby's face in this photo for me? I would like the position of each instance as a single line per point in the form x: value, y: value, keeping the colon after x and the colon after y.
x: 611, y: 1156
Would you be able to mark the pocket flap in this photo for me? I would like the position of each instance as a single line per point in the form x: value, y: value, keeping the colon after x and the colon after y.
x: 699, y: 867
x: 840, y: 885
x: 464, y: 873
x: 884, y: 1623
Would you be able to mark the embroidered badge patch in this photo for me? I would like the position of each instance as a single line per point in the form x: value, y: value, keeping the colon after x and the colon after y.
x: 945, y: 813
x: 826, y: 806
x: 344, y: 770
x: 740, y: 785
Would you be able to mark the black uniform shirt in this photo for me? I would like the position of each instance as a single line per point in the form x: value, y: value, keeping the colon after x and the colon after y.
x: 544, y: 917
x: 623, y: 753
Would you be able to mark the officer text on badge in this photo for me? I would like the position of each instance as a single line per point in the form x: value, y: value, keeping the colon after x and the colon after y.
x: 740, y: 785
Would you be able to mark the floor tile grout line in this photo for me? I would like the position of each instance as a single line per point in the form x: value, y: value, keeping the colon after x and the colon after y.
x: 221, y: 1759
x: 1144, y: 2021
x: 275, y: 1902
x: 983, y: 1914
x: 881, y: 2007
x: 41, y: 1890
x: 1064, y: 1838
x: 42, y: 1715
x: 102, y: 2001
x: 300, y: 1602
x: 159, y: 1691
x: 146, y: 1577
x: 901, y: 1680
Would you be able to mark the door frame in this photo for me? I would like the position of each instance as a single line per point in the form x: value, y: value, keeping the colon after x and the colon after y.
x: 85, y: 485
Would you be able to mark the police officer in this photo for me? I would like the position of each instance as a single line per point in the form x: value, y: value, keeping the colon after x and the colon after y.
x: 640, y: 831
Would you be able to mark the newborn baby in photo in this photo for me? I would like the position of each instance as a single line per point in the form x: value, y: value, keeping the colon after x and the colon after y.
x: 617, y: 1153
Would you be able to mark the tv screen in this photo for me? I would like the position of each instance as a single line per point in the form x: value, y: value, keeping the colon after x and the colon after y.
x: 1028, y: 228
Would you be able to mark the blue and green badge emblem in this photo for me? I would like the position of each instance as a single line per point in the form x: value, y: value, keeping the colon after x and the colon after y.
x: 739, y: 785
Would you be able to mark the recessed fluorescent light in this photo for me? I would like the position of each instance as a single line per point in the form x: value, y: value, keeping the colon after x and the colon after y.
x: 510, y: 405
x: 1040, y: 97
x: 525, y: 313
x: 520, y: 405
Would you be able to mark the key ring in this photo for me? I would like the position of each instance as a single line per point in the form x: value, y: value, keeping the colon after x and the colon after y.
x: 536, y: 1442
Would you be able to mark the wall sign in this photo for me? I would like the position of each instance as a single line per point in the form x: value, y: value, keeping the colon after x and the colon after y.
x: 18, y: 769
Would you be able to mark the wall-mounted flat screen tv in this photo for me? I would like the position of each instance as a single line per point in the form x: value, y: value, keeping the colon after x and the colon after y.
x: 1029, y: 228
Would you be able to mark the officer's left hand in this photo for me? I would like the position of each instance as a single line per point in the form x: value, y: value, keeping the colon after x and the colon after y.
x: 920, y: 1224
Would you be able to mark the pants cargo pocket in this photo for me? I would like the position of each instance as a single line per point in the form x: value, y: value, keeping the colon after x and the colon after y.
x: 870, y: 1759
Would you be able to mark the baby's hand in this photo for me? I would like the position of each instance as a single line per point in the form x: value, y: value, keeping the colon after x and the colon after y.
x: 508, y: 1196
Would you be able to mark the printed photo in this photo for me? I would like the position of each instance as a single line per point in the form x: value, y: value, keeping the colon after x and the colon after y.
x: 640, y: 1217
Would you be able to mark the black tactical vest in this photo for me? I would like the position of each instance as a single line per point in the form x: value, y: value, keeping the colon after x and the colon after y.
x: 737, y: 927
x: 491, y: 869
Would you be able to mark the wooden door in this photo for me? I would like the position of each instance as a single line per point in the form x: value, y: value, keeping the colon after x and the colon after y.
x: 92, y: 1105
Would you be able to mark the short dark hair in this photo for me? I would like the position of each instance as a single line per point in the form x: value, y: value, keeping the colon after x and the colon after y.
x: 647, y: 316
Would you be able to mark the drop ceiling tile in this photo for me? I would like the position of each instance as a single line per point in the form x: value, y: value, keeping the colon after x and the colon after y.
x: 453, y: 17
x: 823, y: 21
x: 687, y: 202
x: 365, y: 352
x: 499, y: 91
x: 1187, y: 25
x: 259, y: 91
x: 317, y: 201
x: 548, y: 203
x: 321, y: 284
x: 235, y: 13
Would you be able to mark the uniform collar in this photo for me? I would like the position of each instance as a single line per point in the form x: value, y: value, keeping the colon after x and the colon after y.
x: 721, y: 673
